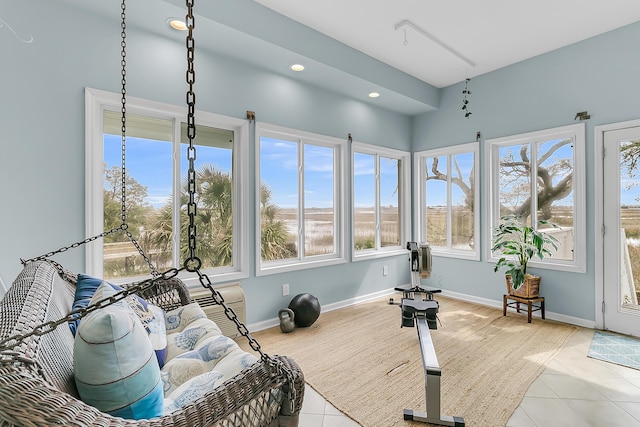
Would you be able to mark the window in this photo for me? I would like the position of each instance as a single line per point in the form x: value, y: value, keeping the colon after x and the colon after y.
x: 381, y: 195
x: 156, y: 189
x: 540, y: 176
x: 447, y: 201
x: 300, y: 199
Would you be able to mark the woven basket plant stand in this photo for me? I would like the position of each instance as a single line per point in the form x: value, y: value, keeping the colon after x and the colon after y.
x: 533, y: 304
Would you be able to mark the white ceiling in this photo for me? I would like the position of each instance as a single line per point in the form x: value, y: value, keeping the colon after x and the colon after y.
x: 352, y: 47
x: 490, y: 34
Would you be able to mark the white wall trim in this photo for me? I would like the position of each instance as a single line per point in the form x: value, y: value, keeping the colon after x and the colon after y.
x: 598, y: 244
x: 585, y: 323
x: 498, y: 304
x: 270, y: 323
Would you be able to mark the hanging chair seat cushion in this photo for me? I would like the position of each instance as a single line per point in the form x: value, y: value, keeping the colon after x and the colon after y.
x: 115, y: 367
x: 113, y: 372
x: 199, y: 357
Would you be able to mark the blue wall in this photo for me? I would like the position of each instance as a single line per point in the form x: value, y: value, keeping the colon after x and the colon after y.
x: 42, y: 136
x: 598, y: 75
x: 42, y: 143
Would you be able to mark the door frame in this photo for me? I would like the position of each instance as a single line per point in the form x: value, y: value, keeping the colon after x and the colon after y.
x: 598, y: 161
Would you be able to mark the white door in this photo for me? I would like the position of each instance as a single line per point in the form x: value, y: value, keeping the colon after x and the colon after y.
x: 621, y: 199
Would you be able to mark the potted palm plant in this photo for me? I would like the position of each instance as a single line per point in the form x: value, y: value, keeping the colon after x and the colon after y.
x: 518, y: 243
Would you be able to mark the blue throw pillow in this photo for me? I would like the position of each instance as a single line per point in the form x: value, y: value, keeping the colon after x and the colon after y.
x: 151, y: 316
x: 85, y: 288
x: 114, y: 365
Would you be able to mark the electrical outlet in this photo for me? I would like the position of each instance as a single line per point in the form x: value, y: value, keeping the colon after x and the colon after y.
x: 285, y: 289
x: 385, y: 270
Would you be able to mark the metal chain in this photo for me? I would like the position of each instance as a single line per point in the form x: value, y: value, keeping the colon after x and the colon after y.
x: 231, y: 315
x: 286, y: 372
x: 193, y: 263
x: 123, y: 150
x: 277, y: 365
x: 73, y: 245
x: 123, y: 120
x: 123, y: 101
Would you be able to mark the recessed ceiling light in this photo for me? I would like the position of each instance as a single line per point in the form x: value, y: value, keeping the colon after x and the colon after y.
x: 177, y: 24
x: 374, y: 95
x: 297, y: 67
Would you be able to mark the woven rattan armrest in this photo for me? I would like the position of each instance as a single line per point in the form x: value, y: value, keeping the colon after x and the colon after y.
x: 27, y: 400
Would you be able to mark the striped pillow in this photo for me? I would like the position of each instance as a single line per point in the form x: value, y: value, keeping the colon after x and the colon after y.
x: 151, y: 316
x: 115, y: 367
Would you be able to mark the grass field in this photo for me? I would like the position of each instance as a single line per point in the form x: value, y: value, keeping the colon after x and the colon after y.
x: 320, y: 233
x: 320, y: 236
x: 630, y: 222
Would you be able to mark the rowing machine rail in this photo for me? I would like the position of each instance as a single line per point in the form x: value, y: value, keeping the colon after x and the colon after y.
x: 432, y: 375
x: 419, y: 307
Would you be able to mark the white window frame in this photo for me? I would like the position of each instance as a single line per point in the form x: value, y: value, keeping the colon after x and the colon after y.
x: 577, y: 132
x: 339, y: 200
x: 404, y: 201
x: 96, y: 102
x: 419, y: 159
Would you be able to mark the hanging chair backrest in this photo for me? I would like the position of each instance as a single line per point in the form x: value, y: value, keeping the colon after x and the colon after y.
x: 40, y: 295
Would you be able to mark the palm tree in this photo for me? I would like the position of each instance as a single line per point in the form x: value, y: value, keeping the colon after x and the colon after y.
x: 214, y: 222
x: 274, y: 234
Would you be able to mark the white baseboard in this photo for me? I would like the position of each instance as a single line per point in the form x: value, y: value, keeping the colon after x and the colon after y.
x: 498, y: 304
x: 270, y: 323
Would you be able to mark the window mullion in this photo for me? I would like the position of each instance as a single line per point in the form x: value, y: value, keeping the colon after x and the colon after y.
x: 301, y: 216
x: 175, y: 244
x: 534, y: 183
x: 378, y: 208
x: 447, y: 201
x: 449, y: 208
x: 337, y: 206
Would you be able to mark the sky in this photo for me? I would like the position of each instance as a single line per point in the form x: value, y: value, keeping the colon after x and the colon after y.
x: 149, y: 162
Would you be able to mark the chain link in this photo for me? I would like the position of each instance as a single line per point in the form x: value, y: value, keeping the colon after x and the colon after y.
x: 193, y: 263
x: 231, y: 315
x: 123, y: 206
x: 123, y: 151
x: 286, y: 372
x: 277, y: 365
x: 66, y: 248
x: 147, y: 260
x: 123, y: 100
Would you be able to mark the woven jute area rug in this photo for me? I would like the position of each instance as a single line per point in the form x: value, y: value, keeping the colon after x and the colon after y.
x: 362, y: 361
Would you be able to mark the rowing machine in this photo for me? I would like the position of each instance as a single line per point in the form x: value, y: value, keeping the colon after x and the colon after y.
x: 419, y: 307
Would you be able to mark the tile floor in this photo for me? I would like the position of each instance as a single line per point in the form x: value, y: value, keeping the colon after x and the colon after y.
x: 573, y: 390
x: 317, y: 412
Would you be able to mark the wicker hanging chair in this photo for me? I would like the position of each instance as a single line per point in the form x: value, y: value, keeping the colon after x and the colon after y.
x: 36, y: 377
x: 37, y: 386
